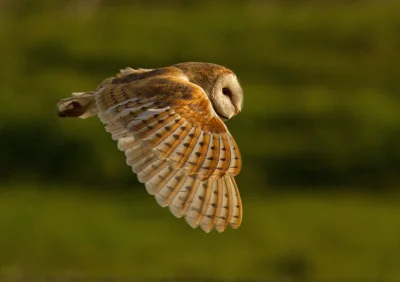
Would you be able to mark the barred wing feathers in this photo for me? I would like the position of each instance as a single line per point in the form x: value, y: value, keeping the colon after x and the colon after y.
x: 176, y: 144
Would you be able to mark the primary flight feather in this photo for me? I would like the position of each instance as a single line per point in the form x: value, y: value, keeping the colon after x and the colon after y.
x: 169, y: 123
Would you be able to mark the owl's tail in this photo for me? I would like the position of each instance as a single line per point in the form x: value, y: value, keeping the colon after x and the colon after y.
x: 81, y: 104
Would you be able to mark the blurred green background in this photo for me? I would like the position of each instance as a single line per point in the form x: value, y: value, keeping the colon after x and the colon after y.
x: 319, y: 135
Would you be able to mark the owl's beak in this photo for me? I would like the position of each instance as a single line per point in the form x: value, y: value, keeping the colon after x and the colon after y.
x: 223, y: 118
x: 237, y: 109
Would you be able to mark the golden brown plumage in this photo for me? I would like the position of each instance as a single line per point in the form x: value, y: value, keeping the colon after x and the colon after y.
x: 168, y: 123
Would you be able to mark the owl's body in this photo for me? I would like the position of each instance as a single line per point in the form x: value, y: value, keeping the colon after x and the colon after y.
x: 168, y: 121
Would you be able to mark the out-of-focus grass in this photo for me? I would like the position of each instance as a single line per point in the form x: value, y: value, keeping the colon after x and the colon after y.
x: 66, y: 231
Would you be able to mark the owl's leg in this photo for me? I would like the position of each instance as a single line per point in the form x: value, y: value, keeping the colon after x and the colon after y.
x: 81, y: 104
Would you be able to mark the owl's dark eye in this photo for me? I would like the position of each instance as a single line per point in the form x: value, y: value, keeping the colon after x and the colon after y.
x: 227, y: 92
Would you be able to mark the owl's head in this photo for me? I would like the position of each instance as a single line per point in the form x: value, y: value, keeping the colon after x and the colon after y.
x: 226, y: 95
x: 219, y: 83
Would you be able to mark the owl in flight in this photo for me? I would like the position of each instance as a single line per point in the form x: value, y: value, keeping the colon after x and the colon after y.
x: 169, y: 123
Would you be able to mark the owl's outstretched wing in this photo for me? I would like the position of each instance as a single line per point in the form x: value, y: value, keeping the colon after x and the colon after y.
x: 176, y: 144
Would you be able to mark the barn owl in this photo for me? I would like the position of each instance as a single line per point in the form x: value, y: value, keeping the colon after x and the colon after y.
x: 169, y: 123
